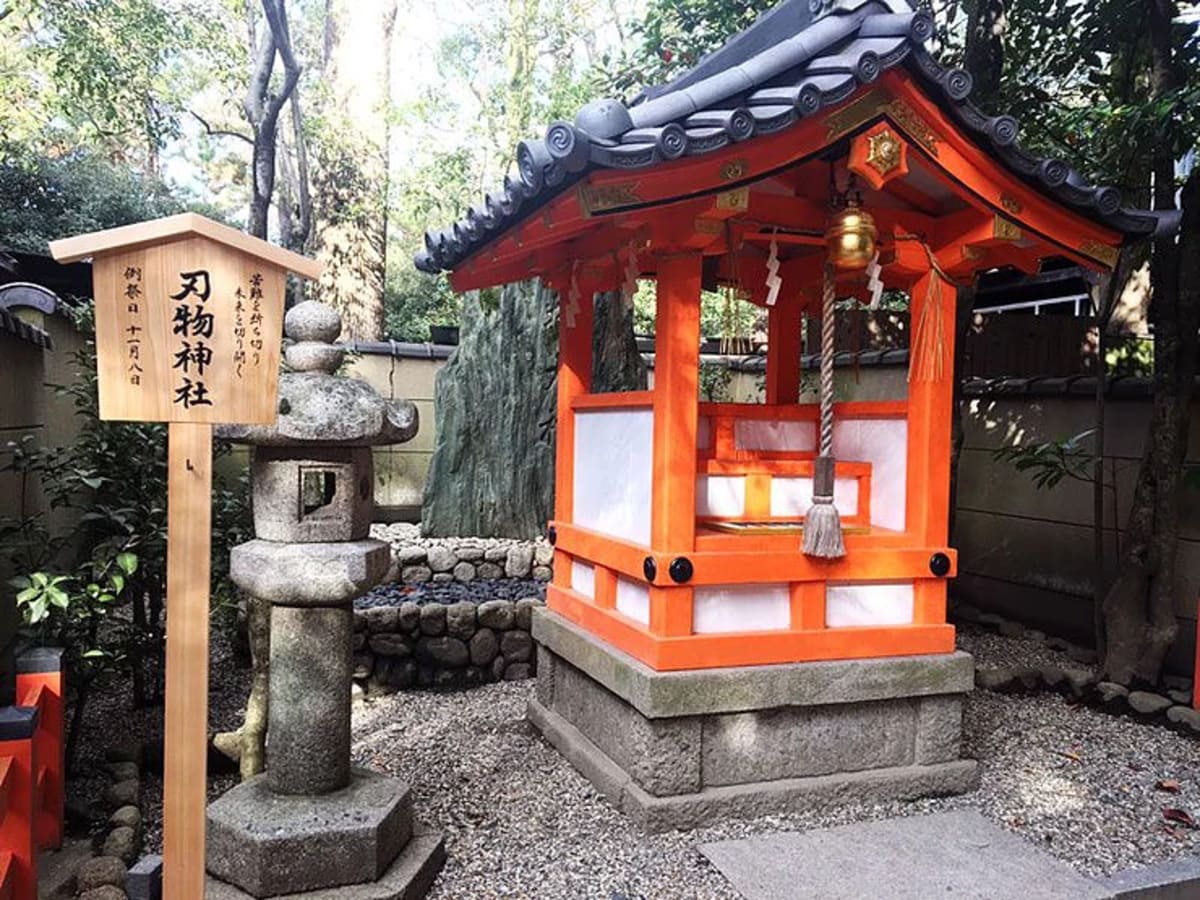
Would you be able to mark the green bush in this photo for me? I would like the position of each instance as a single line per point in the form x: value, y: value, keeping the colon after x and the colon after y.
x: 43, y: 198
x: 112, y: 483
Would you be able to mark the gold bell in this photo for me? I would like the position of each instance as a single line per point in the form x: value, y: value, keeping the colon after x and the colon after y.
x: 850, y: 237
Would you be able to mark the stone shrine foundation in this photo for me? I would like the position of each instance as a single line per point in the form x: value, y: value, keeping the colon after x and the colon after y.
x: 681, y: 749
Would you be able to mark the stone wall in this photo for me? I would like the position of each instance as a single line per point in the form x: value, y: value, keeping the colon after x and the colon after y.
x: 443, y: 646
x: 418, y: 560
x: 1026, y: 553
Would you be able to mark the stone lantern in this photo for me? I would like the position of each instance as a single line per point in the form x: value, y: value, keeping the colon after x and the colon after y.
x: 312, y: 822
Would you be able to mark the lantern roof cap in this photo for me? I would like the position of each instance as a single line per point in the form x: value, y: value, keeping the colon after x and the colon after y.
x: 799, y: 58
x: 177, y: 227
x: 318, y: 407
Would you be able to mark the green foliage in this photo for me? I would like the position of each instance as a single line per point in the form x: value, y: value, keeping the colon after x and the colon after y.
x: 1130, y: 356
x: 715, y: 380
x: 112, y: 481
x: 43, y: 198
x: 1078, y: 76
x: 70, y: 610
x: 1048, y: 463
x: 115, y: 74
x: 672, y: 36
x: 414, y: 300
x: 721, y: 315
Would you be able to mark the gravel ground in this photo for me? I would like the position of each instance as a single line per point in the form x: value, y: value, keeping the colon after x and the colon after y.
x: 520, y: 822
x: 994, y: 650
x: 478, y: 591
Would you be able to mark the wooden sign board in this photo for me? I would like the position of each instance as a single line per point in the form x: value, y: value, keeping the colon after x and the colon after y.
x: 188, y: 332
x: 189, y: 319
x: 189, y: 324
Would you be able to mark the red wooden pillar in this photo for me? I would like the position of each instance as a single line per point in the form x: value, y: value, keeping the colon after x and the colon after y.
x: 574, y: 379
x: 18, y: 801
x: 40, y: 682
x: 783, y: 350
x: 676, y: 400
x: 930, y: 395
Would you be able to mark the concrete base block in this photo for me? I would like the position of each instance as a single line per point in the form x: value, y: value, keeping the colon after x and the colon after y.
x: 408, y: 878
x: 745, y: 801
x: 680, y: 749
x: 271, y: 844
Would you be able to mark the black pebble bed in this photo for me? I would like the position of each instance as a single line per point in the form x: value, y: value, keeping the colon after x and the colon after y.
x: 452, y: 592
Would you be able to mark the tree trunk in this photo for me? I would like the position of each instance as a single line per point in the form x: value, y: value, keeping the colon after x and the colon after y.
x: 983, y: 56
x: 616, y: 363
x: 262, y: 106
x: 1139, y: 609
x: 248, y: 745
x: 350, y: 171
x: 254, y: 728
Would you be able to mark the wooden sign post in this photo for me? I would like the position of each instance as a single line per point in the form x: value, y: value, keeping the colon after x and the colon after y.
x: 189, y: 320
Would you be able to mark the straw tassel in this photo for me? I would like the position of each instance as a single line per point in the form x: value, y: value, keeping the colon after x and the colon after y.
x: 822, y: 524
x: 927, y: 359
x: 929, y: 345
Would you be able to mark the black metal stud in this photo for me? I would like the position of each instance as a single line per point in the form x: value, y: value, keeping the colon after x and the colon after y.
x: 552, y: 535
x: 681, y: 569
x: 649, y: 568
x: 939, y: 564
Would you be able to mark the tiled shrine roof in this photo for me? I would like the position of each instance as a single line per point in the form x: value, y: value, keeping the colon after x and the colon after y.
x: 797, y: 59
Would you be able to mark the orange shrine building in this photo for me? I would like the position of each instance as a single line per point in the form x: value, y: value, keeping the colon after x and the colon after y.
x: 748, y: 610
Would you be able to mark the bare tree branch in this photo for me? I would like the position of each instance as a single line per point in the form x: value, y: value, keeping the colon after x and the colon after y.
x: 220, y: 132
x: 263, y: 107
x: 260, y: 78
x: 303, y: 195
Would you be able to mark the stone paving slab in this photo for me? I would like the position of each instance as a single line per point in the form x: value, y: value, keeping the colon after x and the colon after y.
x: 958, y: 854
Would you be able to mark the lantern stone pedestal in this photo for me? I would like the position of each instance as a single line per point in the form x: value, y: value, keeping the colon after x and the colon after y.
x: 683, y: 749
x: 313, y: 826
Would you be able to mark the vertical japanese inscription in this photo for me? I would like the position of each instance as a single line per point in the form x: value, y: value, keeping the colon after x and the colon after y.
x: 133, y: 332
x: 239, y: 332
x: 256, y: 317
x: 193, y: 325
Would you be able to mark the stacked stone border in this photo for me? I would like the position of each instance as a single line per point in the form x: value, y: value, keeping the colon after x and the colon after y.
x: 417, y: 560
x: 1171, y: 708
x: 455, y: 646
x: 106, y: 875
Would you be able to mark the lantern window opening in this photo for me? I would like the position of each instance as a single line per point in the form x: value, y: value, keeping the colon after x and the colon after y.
x: 318, y: 486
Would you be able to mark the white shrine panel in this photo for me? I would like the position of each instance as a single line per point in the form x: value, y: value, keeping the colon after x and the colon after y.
x: 613, y: 466
x: 793, y: 496
x: 720, y: 495
x: 884, y: 444
x: 774, y: 435
x: 868, y: 604
x: 721, y: 609
x: 633, y: 600
x: 583, y: 579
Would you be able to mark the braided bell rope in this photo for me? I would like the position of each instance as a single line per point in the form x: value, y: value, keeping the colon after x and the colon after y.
x: 828, y: 338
